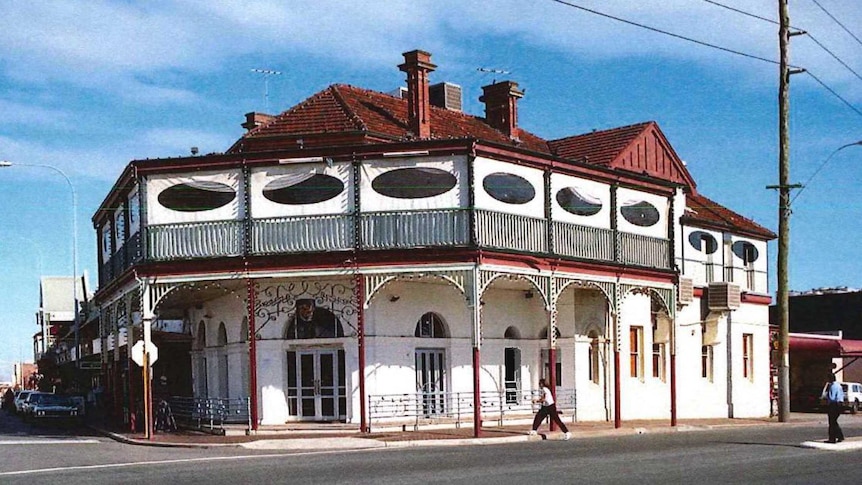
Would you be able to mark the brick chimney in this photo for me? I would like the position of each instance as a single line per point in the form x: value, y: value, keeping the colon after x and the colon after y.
x: 501, y: 106
x: 253, y: 120
x: 417, y: 65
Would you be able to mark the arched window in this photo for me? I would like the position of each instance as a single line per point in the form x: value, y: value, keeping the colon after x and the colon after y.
x: 512, y: 333
x: 201, y: 337
x: 430, y: 325
x: 222, y: 335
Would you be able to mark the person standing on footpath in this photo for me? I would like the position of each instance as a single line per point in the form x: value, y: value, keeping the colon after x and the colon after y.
x: 549, y: 408
x: 834, y: 405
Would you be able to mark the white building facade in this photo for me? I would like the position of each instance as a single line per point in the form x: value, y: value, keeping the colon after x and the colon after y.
x: 339, y: 265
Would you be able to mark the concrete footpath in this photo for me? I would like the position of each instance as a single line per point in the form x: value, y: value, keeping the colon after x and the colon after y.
x: 343, y: 437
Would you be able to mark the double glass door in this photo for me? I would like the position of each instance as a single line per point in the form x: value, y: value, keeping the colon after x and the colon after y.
x: 316, y: 384
x: 431, y: 381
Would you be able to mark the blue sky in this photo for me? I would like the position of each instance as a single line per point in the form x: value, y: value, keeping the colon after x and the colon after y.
x: 88, y: 86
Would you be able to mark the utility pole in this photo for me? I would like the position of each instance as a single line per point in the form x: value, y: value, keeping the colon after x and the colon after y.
x: 784, y: 187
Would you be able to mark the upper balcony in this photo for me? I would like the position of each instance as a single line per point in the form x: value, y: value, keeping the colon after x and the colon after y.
x: 386, y: 204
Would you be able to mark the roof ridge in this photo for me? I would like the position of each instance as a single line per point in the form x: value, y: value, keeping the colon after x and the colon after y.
x: 345, y: 107
x: 607, y: 130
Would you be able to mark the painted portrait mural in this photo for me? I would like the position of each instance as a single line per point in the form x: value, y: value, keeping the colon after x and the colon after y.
x: 310, y: 321
x: 310, y: 310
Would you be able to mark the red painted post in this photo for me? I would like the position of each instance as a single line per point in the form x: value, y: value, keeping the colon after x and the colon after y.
x: 552, y: 379
x: 617, y: 401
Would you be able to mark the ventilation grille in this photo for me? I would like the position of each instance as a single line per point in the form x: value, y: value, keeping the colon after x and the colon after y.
x: 723, y: 296
x: 445, y: 95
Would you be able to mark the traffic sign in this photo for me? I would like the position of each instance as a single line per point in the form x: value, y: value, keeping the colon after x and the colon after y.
x: 138, y: 352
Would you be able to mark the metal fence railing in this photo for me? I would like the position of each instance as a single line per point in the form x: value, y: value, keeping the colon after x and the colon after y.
x: 457, y: 407
x: 211, y: 413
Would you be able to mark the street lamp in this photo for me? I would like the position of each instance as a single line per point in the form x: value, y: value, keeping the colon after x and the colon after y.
x: 855, y: 143
x: 6, y: 163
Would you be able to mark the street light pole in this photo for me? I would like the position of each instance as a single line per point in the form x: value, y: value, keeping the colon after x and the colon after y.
x: 5, y: 163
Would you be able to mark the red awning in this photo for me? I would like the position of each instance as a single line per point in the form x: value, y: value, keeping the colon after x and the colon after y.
x: 826, y: 346
x: 851, y: 348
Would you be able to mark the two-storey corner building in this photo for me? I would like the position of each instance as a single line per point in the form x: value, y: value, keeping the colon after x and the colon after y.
x: 364, y: 258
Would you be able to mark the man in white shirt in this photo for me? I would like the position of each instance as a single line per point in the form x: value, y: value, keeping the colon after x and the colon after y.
x: 549, y: 408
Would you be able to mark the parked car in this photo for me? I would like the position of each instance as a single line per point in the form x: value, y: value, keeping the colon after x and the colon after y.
x: 852, y: 396
x: 53, y: 407
x: 20, y: 397
x: 32, y: 398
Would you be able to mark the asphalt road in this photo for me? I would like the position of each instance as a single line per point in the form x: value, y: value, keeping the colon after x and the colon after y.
x: 763, y: 454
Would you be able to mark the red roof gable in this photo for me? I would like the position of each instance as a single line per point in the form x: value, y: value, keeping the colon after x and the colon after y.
x: 364, y: 116
x: 702, y: 211
x: 640, y: 148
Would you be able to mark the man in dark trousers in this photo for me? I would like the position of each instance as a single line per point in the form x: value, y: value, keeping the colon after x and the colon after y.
x: 834, y: 405
x: 549, y: 408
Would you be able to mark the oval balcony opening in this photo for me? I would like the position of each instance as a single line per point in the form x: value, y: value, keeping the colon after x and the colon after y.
x: 745, y: 251
x: 509, y: 188
x: 312, y: 189
x: 575, y: 201
x: 703, y: 241
x: 414, y: 183
x: 641, y: 214
x: 197, y: 196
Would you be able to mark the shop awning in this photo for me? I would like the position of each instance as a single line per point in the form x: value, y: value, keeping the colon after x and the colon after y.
x: 826, y: 346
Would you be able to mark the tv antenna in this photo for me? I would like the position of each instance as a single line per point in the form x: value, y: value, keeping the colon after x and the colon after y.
x: 266, y: 74
x: 489, y: 70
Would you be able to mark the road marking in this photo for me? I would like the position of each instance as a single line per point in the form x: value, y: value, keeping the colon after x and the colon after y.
x: 162, y: 462
x: 48, y: 442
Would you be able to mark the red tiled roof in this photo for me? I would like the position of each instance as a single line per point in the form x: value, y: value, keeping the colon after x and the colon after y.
x: 701, y: 210
x: 598, y: 147
x: 350, y: 115
x: 341, y: 108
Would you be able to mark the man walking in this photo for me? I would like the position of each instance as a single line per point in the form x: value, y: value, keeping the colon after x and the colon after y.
x: 549, y: 408
x: 834, y: 406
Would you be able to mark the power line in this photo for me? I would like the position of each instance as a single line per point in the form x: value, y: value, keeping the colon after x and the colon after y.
x: 671, y: 34
x: 821, y: 167
x: 834, y: 93
x: 800, y: 31
x: 713, y: 46
x: 836, y: 21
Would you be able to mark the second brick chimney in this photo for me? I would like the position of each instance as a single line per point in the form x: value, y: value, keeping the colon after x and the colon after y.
x: 501, y: 106
x: 417, y: 65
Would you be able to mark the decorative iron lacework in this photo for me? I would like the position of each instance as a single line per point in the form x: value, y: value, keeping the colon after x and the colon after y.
x: 541, y: 283
x: 279, y: 299
x: 666, y: 295
x: 375, y: 282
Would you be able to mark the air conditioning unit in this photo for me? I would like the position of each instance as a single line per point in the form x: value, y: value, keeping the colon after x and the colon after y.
x: 686, y: 291
x: 723, y: 296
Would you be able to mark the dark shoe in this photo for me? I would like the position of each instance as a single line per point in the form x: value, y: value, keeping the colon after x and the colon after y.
x: 840, y: 440
x: 830, y: 441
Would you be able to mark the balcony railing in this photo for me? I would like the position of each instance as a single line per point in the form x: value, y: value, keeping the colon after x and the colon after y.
x: 301, y: 234
x: 386, y: 230
x: 390, y: 230
x: 194, y: 240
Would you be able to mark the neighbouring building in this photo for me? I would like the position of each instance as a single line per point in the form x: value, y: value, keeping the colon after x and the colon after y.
x: 826, y: 338
x: 365, y: 257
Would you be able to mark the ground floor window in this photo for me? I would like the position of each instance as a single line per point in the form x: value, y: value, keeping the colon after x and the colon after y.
x: 706, y: 362
x: 747, y: 364
x: 635, y: 351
